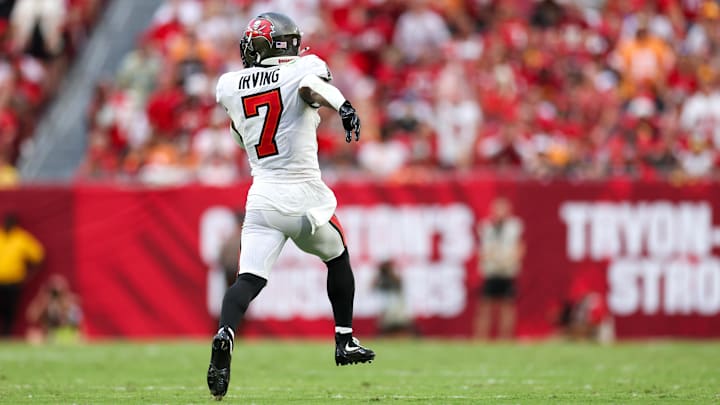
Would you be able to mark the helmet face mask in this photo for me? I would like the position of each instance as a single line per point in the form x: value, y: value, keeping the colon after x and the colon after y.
x: 269, y: 35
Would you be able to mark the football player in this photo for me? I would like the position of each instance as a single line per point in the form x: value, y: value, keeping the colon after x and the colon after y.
x: 273, y: 105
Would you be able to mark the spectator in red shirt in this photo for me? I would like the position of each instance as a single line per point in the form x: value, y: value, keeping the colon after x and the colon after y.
x: 163, y: 105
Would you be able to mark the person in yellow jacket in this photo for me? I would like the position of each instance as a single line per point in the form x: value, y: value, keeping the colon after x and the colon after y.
x: 20, y: 255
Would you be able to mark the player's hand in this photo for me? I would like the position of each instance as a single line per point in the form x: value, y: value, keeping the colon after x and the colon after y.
x: 350, y: 120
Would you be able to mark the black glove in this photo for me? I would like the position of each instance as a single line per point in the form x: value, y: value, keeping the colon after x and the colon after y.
x: 350, y: 120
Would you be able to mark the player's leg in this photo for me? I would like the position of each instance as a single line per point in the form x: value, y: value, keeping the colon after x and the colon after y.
x: 328, y: 243
x: 261, y: 245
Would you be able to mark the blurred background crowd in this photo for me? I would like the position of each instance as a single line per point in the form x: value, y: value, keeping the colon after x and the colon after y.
x: 38, y: 41
x: 584, y: 89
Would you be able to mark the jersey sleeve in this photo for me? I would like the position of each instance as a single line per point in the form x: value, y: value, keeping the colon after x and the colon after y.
x: 220, y: 92
x: 220, y: 89
x: 316, y: 66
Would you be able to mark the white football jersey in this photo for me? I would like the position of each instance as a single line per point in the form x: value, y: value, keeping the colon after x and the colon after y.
x: 277, y: 128
x: 274, y: 124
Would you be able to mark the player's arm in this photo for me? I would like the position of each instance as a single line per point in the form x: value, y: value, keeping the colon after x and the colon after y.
x: 318, y: 92
x: 237, y: 136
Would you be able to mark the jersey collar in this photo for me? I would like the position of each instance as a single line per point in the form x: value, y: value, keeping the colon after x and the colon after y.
x: 277, y: 60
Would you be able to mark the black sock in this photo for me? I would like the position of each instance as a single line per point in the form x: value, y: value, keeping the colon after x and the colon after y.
x: 341, y: 289
x: 343, y: 338
x: 238, y: 297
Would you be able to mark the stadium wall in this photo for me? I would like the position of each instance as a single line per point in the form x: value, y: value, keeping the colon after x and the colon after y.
x: 144, y: 261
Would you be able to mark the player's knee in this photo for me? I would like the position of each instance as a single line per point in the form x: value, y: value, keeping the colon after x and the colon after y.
x: 331, y: 255
x: 341, y: 257
x: 252, y: 282
x: 246, y: 287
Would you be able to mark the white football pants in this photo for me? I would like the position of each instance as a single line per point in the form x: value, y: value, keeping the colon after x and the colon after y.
x: 265, y: 232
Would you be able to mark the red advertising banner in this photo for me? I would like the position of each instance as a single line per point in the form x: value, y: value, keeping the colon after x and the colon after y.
x: 145, y: 261
x: 48, y: 214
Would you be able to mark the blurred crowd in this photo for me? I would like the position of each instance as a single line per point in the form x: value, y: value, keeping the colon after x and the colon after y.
x: 584, y: 89
x: 38, y: 39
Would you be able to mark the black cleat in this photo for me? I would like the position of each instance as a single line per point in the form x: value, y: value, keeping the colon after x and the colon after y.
x: 218, y: 375
x: 349, y: 351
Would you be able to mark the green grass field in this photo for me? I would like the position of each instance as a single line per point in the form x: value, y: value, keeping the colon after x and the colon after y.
x: 421, y: 372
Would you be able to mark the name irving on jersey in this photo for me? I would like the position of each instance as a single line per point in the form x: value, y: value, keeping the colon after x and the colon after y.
x: 260, y: 78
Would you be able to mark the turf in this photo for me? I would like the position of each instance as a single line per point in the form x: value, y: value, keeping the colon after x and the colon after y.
x: 421, y: 372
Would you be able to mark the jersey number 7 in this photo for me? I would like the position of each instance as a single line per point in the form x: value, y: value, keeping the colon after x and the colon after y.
x: 270, y: 99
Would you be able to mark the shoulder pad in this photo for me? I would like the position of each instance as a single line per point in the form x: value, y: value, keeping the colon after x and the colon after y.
x: 316, y: 66
x: 221, y: 84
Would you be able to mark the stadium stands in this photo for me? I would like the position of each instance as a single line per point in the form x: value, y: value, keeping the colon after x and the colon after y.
x: 542, y: 89
x: 38, y: 39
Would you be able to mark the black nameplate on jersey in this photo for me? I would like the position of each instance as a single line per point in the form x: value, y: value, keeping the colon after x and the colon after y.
x: 259, y: 78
